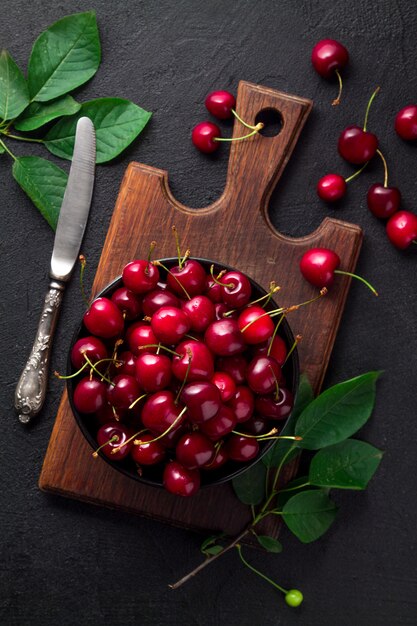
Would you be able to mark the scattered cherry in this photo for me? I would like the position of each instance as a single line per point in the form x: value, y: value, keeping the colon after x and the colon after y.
x: 357, y: 145
x: 221, y: 104
x: 331, y: 187
x: 328, y: 58
x: 203, y: 137
x: 383, y: 201
x: 402, y: 229
x: 406, y: 122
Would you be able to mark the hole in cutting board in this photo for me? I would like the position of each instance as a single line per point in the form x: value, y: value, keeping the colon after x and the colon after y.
x: 272, y: 120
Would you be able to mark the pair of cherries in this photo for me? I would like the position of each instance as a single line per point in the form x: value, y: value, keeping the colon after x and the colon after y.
x: 206, y: 136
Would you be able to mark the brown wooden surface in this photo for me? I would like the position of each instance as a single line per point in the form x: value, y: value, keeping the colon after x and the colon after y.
x: 235, y: 230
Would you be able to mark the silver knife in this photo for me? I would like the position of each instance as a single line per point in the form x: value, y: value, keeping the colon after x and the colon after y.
x: 31, y: 388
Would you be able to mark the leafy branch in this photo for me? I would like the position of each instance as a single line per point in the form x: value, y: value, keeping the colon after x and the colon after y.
x: 325, y: 424
x: 64, y: 57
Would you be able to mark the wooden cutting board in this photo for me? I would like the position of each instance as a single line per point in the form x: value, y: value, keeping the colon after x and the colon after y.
x: 235, y: 230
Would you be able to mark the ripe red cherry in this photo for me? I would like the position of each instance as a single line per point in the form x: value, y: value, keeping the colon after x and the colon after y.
x: 153, y: 372
x: 201, y: 366
x: 119, y: 431
x: 139, y: 335
x: 128, y: 363
x: 123, y: 391
x: 148, y: 453
x: 225, y: 384
x: 170, y: 324
x: 220, y: 309
x: 191, y: 275
x: 329, y: 55
x: 202, y: 400
x: 242, y: 404
x: 331, y: 187
x: 200, y: 311
x: 214, y: 291
x: 257, y: 425
x: 181, y: 481
x: 402, y: 229
x: 318, y: 265
x: 158, y: 298
x: 242, y: 448
x: 219, y: 425
x: 194, y: 450
x: 263, y: 374
x: 90, y: 346
x: 224, y: 338
x: 219, y: 459
x: 236, y: 289
x: 278, y: 350
x: 383, y: 201
x: 104, y: 318
x: 356, y: 145
x: 406, y: 122
x: 128, y: 302
x: 235, y: 366
x: 220, y: 104
x: 255, y: 325
x: 160, y: 411
x: 203, y: 137
x: 89, y: 395
x: 275, y: 407
x: 140, y: 276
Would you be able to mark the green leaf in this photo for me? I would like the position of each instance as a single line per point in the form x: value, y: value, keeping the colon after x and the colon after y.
x: 213, y: 550
x: 39, y: 113
x: 309, y: 514
x: 337, y: 413
x: 209, y: 541
x: 14, y: 94
x: 250, y: 486
x: 64, y: 57
x: 117, y: 123
x: 269, y: 543
x: 346, y: 465
x: 44, y: 183
x: 2, y: 150
x: 303, y: 398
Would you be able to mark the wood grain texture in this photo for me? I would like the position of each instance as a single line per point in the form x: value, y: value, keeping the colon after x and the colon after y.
x: 235, y: 230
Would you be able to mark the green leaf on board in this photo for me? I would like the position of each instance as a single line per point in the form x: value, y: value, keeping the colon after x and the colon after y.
x: 44, y: 183
x: 64, y: 56
x: 250, y: 486
x: 269, y: 543
x: 117, y: 123
x: 39, y: 113
x: 275, y: 455
x: 14, y: 94
x: 346, y: 465
x: 337, y: 413
x: 309, y: 514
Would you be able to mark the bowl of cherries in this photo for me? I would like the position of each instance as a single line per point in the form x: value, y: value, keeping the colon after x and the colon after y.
x: 182, y: 373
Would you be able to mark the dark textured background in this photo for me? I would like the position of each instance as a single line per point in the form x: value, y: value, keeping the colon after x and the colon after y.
x: 67, y: 563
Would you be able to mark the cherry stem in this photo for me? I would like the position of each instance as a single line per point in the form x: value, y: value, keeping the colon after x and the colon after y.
x: 275, y: 382
x: 242, y: 121
x: 272, y: 289
x: 355, y: 174
x: 177, y: 243
x: 134, y: 403
x: 187, y: 372
x: 336, y: 101
x: 93, y: 367
x: 371, y: 99
x: 117, y: 448
x: 379, y: 153
x: 274, y: 334
x: 257, y: 572
x: 365, y: 282
x: 158, y: 263
x: 255, y: 131
x: 138, y: 442
x: 159, y: 346
x: 151, y: 249
x: 297, y: 340
x: 216, y: 280
x: 9, y: 152
x: 58, y: 375
x: 114, y: 438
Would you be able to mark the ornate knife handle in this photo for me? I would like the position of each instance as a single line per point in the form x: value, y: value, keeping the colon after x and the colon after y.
x: 31, y: 388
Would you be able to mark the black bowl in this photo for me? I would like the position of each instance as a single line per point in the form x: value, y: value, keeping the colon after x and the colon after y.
x: 152, y: 475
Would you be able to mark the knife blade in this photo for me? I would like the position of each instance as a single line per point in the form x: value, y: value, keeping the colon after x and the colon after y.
x: 31, y: 388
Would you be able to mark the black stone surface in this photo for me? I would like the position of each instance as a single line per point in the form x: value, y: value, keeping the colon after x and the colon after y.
x: 67, y: 563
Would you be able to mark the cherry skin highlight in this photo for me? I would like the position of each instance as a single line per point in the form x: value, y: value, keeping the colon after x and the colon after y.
x: 406, y: 123
x: 225, y: 384
x: 329, y: 55
x: 242, y: 448
x: 202, y: 400
x: 170, y: 324
x: 220, y: 104
x: 223, y: 338
x: 331, y: 187
x: 203, y: 137
x: 402, y: 229
x: 153, y: 372
x: 140, y: 335
x: 317, y: 266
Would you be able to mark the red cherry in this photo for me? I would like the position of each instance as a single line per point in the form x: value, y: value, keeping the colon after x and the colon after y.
x: 201, y: 366
x: 191, y: 275
x: 105, y: 415
x: 158, y: 298
x: 331, y: 187
x: 160, y: 411
x: 225, y: 384
x: 402, y: 229
x: 220, y: 104
x: 203, y: 137
x: 383, y: 201
x: 235, y: 366
x: 170, y: 324
x: 219, y: 459
x: 140, y: 276
x: 236, y: 289
x: 153, y: 372
x: 356, y: 145
x: 242, y: 448
x: 104, y: 318
x: 406, y: 123
x: 200, y: 311
x: 275, y: 407
x: 128, y: 363
x: 128, y: 302
x: 194, y: 450
x: 90, y: 346
x: 257, y: 425
x: 181, y: 481
x: 242, y: 404
x: 89, y: 395
x: 278, y: 350
x: 223, y: 337
x: 203, y: 401
x: 219, y: 425
x: 318, y: 265
x: 263, y: 374
x: 220, y: 309
x: 214, y: 291
x: 141, y: 334
x: 148, y: 452
x: 123, y: 391
x: 255, y: 325
x: 121, y: 434
x: 327, y: 56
